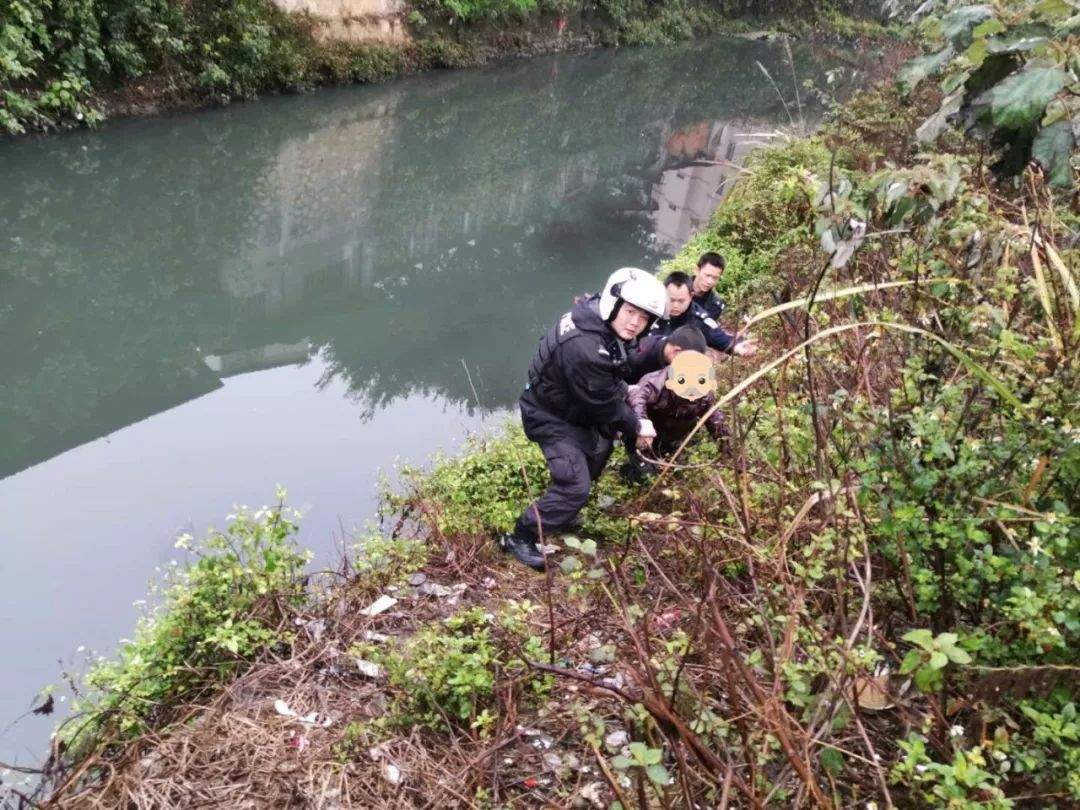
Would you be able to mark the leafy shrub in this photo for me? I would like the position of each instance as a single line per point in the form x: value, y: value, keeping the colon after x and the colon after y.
x: 483, y: 491
x: 240, y: 48
x: 763, y: 216
x: 1009, y: 74
x: 380, y: 561
x: 57, y: 58
x: 215, y: 616
x: 54, y: 55
x: 476, y: 10
x: 447, y: 672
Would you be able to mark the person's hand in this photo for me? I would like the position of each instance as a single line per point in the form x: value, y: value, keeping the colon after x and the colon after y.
x: 644, y: 443
x: 745, y: 347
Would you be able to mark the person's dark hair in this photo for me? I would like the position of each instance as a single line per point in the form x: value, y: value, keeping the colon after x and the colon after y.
x: 678, y: 279
x: 688, y: 338
x: 715, y: 259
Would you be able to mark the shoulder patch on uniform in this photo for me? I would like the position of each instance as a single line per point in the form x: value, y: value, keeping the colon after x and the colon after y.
x: 604, y: 352
x: 709, y: 322
x: 566, y: 323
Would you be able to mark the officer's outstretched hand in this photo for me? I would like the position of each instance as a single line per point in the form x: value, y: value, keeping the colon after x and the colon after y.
x: 644, y: 443
x: 745, y: 347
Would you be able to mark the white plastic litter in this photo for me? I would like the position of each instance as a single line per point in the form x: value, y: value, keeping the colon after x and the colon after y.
x: 616, y: 739
x: 593, y: 793
x: 380, y: 605
x: 368, y: 668
x: 310, y: 719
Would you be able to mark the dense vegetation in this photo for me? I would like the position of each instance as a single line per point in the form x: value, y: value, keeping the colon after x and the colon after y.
x: 65, y: 62
x: 1008, y: 72
x: 868, y: 597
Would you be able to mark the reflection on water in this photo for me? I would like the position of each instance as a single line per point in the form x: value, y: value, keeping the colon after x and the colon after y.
x: 708, y: 156
x: 370, y: 243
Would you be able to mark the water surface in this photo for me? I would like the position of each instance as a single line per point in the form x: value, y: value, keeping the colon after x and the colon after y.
x: 194, y: 310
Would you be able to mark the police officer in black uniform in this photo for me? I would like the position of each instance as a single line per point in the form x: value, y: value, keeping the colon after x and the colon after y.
x: 684, y: 311
x: 576, y: 399
x: 693, y: 301
x: 710, y: 266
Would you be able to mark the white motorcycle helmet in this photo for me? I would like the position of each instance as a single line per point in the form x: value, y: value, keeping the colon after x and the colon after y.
x: 634, y: 286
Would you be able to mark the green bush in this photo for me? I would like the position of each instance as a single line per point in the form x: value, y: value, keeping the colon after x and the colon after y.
x: 215, y: 616
x: 483, y: 491
x: 1009, y: 73
x: 968, y: 473
x: 58, y: 58
x: 241, y: 48
x: 447, y: 672
x: 477, y: 10
x: 54, y: 56
x: 765, y: 214
x: 380, y: 561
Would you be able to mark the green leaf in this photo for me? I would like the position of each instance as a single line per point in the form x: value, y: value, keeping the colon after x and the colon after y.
x: 921, y: 637
x: 622, y: 763
x: 958, y: 656
x: 638, y: 751
x: 1053, y: 147
x: 653, y: 756
x: 1052, y: 9
x: 589, y: 547
x: 988, y: 28
x: 976, y: 53
x: 903, y: 209
x: 832, y: 761
x: 658, y: 775
x: 926, y: 679
x: 959, y: 24
x: 570, y: 564
x: 911, y: 662
x: 921, y: 67
x: 1019, y: 100
x: 946, y: 640
x: 938, y: 660
x: 1014, y: 43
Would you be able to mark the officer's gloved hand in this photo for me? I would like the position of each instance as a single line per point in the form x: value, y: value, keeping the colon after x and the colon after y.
x: 646, y: 429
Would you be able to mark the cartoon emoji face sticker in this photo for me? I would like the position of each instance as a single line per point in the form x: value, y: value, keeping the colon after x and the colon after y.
x: 691, y: 375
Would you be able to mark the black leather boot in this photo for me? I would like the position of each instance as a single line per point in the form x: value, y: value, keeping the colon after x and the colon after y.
x: 523, y: 548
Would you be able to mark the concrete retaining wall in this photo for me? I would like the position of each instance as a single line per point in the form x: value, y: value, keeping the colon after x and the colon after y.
x: 354, y: 20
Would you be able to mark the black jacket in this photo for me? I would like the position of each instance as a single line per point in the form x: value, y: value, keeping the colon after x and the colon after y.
x: 711, y: 303
x: 715, y: 335
x: 579, y: 373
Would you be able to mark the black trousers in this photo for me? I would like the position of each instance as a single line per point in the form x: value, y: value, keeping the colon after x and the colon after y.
x: 575, y: 458
x: 573, y: 469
